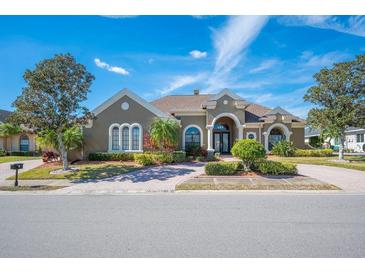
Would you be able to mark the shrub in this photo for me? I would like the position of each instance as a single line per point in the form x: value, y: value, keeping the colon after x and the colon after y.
x: 315, y: 141
x: 49, y: 156
x: 24, y: 153
x: 193, y: 150
x: 249, y: 151
x: 179, y: 156
x: 313, y: 152
x: 162, y: 157
x: 108, y: 156
x: 277, y: 168
x: 221, y: 168
x: 284, y: 149
x: 2, y: 152
x: 144, y: 159
x: 200, y: 159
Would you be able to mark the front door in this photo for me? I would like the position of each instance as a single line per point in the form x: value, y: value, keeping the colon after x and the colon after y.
x: 221, y: 142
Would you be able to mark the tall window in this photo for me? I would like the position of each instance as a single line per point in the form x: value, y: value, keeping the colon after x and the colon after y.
x: 359, y: 138
x: 135, y: 138
x: 24, y: 143
x: 125, y: 138
x: 115, y: 138
x: 192, y: 137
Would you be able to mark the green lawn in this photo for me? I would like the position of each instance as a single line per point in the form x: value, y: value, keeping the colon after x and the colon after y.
x: 7, y: 159
x: 86, y: 171
x: 356, y: 162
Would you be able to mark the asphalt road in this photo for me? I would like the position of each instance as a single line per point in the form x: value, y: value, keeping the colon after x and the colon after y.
x: 183, y: 225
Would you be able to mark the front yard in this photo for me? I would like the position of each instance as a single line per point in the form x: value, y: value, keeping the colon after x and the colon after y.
x: 355, y: 162
x: 86, y: 170
x: 7, y: 159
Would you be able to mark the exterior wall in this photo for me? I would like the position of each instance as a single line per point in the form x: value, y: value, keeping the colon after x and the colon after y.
x: 12, y: 143
x: 97, y: 137
x: 298, y: 137
x: 222, y: 108
x: 256, y: 131
x: 2, y: 143
x: 351, y: 141
x: 193, y: 120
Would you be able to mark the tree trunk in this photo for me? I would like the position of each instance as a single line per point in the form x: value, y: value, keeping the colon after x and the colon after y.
x: 342, y: 147
x: 63, y: 151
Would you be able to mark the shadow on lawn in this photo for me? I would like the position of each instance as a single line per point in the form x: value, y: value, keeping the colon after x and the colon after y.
x: 116, y: 174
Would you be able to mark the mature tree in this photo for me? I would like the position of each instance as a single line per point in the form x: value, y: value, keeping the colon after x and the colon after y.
x: 339, y: 99
x: 8, y: 129
x: 72, y: 139
x: 164, y: 133
x: 53, y: 96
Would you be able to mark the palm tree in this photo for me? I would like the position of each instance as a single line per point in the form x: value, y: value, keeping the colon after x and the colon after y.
x: 8, y: 129
x: 164, y: 133
x: 72, y: 139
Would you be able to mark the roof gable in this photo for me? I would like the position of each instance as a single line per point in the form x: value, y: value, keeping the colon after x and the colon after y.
x: 134, y: 97
x: 224, y: 92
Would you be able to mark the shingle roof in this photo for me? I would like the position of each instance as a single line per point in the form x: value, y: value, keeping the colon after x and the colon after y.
x: 254, y: 112
x: 4, y: 114
x: 173, y: 103
x: 278, y: 110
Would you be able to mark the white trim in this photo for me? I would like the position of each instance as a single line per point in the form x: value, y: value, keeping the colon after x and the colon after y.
x: 251, y: 132
x: 134, y: 97
x: 184, y: 131
x: 230, y: 115
x: 130, y: 127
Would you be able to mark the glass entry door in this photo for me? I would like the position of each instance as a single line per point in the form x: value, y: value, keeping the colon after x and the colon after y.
x: 221, y: 142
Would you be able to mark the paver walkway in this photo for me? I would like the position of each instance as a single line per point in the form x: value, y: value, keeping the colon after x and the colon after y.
x: 150, y: 179
x: 348, y: 179
x: 6, y: 172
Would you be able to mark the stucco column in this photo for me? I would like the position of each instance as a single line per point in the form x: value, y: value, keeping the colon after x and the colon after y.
x: 288, y: 135
x: 266, y: 139
x: 210, y: 137
x: 240, y: 132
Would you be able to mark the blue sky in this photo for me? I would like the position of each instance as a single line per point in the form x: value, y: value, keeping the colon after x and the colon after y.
x: 267, y: 60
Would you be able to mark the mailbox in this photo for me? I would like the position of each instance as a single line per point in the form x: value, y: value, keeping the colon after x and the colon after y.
x: 16, y: 166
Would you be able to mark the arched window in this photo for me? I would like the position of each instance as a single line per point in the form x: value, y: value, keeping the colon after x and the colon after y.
x: 115, y: 138
x: 192, y: 137
x: 125, y: 138
x: 221, y: 127
x: 135, y: 138
x: 24, y: 143
x: 276, y: 135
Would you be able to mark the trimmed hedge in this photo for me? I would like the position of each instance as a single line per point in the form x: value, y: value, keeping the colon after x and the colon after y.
x: 108, y: 156
x: 313, y: 152
x: 144, y: 159
x: 222, y: 168
x: 162, y: 157
x: 24, y: 153
x: 2, y: 152
x: 179, y: 156
x: 277, y: 168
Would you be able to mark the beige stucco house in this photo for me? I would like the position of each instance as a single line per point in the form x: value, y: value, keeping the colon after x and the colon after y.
x: 24, y: 142
x: 213, y: 121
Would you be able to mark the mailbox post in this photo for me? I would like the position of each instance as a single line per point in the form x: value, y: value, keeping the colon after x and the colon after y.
x: 16, y: 166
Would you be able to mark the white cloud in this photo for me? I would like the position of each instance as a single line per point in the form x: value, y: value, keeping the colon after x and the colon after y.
x: 308, y: 59
x: 265, y: 65
x: 230, y: 42
x: 180, y: 81
x: 354, y: 25
x: 103, y: 65
x: 150, y: 61
x: 197, y: 54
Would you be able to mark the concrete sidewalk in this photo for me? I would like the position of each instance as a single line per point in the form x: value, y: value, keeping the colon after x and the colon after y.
x: 348, y: 179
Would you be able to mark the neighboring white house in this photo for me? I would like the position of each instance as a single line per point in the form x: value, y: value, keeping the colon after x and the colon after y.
x: 355, y: 138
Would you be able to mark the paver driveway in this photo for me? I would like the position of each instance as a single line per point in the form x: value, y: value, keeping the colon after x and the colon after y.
x: 348, y: 179
x: 150, y: 179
